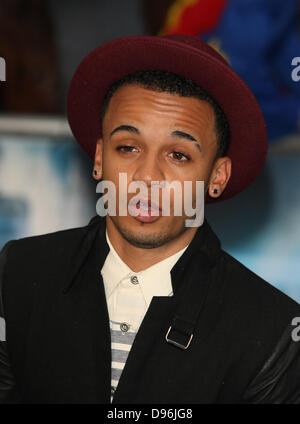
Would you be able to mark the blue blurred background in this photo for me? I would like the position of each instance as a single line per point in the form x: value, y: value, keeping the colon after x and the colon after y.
x: 45, y: 179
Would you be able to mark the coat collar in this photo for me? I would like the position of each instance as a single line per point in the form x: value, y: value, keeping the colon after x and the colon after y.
x: 93, y: 237
x: 206, y: 243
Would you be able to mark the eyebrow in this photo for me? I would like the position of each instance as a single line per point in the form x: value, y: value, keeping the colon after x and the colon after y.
x: 129, y: 128
x: 176, y: 133
x: 186, y: 136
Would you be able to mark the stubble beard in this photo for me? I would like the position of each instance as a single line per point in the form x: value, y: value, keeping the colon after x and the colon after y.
x: 144, y: 240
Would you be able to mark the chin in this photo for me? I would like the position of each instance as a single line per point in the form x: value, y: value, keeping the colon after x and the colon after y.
x: 148, y: 236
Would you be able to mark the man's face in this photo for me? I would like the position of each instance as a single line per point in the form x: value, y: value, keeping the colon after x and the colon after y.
x: 157, y: 136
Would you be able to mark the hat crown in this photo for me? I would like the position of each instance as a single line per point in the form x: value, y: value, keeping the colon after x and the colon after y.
x: 196, y: 43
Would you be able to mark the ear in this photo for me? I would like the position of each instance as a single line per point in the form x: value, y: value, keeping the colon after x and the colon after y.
x: 219, y: 177
x: 97, y: 170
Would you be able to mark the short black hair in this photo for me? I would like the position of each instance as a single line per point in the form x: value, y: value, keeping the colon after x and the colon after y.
x: 163, y: 81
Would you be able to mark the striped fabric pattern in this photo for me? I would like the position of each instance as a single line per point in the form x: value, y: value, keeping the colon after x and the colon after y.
x: 121, y: 342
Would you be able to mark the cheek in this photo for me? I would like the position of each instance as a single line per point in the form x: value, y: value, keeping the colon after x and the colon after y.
x: 111, y: 167
x: 199, y: 172
x: 188, y: 182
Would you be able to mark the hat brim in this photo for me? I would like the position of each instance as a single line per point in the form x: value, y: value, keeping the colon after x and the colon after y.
x: 115, y: 59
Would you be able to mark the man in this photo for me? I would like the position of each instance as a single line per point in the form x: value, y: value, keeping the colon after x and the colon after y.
x: 144, y: 309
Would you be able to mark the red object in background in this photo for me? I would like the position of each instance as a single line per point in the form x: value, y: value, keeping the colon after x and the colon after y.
x: 193, y: 17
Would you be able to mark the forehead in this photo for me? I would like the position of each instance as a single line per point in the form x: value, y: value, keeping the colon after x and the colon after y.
x: 134, y: 102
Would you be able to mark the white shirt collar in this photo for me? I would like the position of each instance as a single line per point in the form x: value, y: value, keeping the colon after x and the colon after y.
x: 153, y: 281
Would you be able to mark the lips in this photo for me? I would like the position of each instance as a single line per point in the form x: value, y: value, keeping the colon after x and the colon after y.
x: 146, y: 205
x: 143, y: 209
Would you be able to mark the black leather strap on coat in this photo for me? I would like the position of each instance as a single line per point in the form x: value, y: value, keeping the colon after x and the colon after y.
x: 193, y: 293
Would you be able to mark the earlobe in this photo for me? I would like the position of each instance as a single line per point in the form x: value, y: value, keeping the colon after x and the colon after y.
x: 214, y: 192
x: 97, y: 171
x: 220, y: 176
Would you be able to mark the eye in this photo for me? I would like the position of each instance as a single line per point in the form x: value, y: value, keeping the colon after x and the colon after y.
x: 179, y: 156
x: 125, y: 149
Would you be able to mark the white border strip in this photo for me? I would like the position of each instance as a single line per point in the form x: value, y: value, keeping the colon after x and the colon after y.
x: 32, y: 125
x: 286, y: 145
x: 57, y: 126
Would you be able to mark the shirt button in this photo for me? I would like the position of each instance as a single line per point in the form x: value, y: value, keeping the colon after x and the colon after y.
x: 134, y: 279
x: 124, y: 327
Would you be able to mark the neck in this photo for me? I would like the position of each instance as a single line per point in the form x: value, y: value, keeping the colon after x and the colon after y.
x: 138, y: 258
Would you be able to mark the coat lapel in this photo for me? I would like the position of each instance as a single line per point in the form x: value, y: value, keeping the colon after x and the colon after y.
x: 86, y: 317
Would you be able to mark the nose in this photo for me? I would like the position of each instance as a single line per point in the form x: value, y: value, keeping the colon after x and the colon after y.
x: 149, y: 169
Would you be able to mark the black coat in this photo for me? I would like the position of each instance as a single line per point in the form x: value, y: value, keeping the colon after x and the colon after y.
x: 58, y: 336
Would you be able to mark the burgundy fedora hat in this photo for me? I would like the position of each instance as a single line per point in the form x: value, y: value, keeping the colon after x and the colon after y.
x: 183, y: 55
